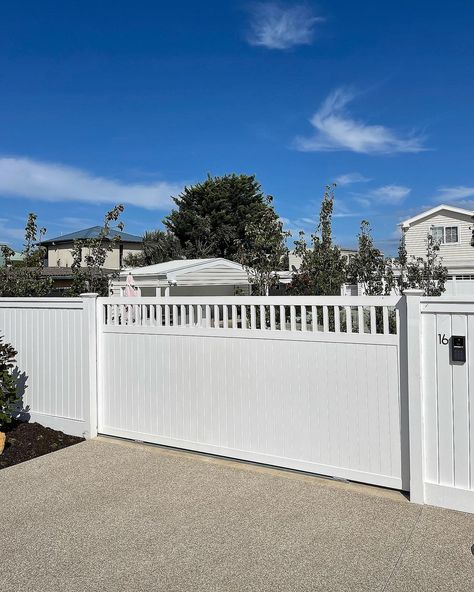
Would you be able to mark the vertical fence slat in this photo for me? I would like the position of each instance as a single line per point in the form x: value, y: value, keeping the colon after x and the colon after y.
x: 292, y: 317
x: 282, y: 318
x: 263, y: 321
x: 253, y: 317
x: 303, y: 318
x: 225, y: 316
x: 243, y: 316
x: 234, y: 317
x: 208, y: 315
x: 348, y: 319
x: 314, y: 318
x: 325, y: 319
x: 385, y: 320
x: 360, y: 319
x: 272, y: 317
x: 216, y: 316
x: 337, y: 320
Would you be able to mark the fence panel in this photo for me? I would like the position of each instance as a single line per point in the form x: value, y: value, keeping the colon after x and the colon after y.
x: 274, y: 380
x: 448, y: 403
x: 52, y: 338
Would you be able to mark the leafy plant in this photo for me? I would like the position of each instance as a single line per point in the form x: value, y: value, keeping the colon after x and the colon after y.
x: 25, y: 278
x: 8, y: 393
x: 92, y: 277
x: 425, y: 273
x: 158, y: 246
x: 323, y: 268
x: 263, y: 249
x: 369, y: 267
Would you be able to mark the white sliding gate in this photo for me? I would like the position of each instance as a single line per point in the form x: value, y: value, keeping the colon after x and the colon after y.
x: 310, y: 383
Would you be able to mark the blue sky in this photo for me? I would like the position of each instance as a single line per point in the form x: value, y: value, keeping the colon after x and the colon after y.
x: 105, y: 102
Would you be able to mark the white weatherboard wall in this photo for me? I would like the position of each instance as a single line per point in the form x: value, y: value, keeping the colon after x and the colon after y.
x: 225, y: 376
x: 55, y: 339
x: 448, y: 404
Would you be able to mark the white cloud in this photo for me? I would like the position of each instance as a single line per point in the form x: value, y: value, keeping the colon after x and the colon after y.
x: 336, y: 130
x: 276, y: 26
x: 389, y: 194
x: 23, y: 177
x: 385, y: 195
x: 351, y: 178
x: 456, y: 193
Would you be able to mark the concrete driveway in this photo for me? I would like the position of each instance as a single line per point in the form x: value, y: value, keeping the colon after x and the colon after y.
x: 110, y: 516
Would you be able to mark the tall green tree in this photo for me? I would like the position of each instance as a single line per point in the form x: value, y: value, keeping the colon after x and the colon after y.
x: 264, y: 249
x: 323, y: 267
x: 26, y: 278
x: 211, y: 218
x: 369, y: 267
x: 158, y: 246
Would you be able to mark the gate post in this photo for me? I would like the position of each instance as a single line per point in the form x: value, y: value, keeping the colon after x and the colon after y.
x: 413, y: 377
x: 90, y: 331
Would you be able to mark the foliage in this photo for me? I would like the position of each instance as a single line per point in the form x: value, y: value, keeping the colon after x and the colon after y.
x: 89, y: 256
x: 8, y: 393
x: 25, y: 278
x: 368, y: 266
x: 263, y: 249
x: 425, y: 273
x: 323, y: 268
x: 158, y: 246
x: 212, y: 217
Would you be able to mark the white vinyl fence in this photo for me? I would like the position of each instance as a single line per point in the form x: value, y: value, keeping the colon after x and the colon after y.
x: 305, y: 383
x: 362, y: 388
x: 56, y: 359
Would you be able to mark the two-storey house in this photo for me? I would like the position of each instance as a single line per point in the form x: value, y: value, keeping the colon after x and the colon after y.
x: 452, y: 228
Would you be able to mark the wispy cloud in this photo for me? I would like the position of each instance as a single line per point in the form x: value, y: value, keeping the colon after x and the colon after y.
x: 24, y: 177
x: 456, y: 193
x: 278, y: 26
x: 350, y: 179
x: 385, y: 195
x: 335, y: 129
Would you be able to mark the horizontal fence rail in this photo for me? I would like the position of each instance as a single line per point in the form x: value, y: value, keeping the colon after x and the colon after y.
x: 348, y: 315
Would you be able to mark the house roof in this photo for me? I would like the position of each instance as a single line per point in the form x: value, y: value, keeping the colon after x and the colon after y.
x: 440, y: 208
x: 179, y: 265
x: 92, y: 232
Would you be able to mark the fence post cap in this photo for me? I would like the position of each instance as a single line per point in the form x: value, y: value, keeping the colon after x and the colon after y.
x: 413, y: 292
x: 89, y: 295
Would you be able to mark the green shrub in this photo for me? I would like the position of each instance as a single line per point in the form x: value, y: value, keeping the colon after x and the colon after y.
x: 8, y: 395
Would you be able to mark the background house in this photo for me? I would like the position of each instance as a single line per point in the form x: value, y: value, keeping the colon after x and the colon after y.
x: 187, y: 277
x: 452, y: 227
x: 294, y: 261
x: 59, y: 256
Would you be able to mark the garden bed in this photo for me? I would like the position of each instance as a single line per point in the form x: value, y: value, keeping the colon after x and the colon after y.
x: 29, y: 440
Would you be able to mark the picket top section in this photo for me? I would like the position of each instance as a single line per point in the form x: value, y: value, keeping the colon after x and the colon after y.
x: 345, y: 318
x: 51, y: 303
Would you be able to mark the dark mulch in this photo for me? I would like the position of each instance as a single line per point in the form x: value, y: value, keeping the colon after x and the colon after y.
x: 29, y: 440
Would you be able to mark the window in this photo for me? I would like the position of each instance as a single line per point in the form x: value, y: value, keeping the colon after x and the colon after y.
x: 451, y: 234
x: 438, y: 234
x: 445, y: 234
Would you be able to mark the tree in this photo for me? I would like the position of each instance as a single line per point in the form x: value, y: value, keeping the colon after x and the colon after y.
x: 323, y: 268
x: 212, y: 217
x: 263, y: 249
x: 425, y: 273
x: 158, y: 246
x: 26, y: 278
x: 8, y: 394
x: 368, y: 266
x: 92, y: 277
